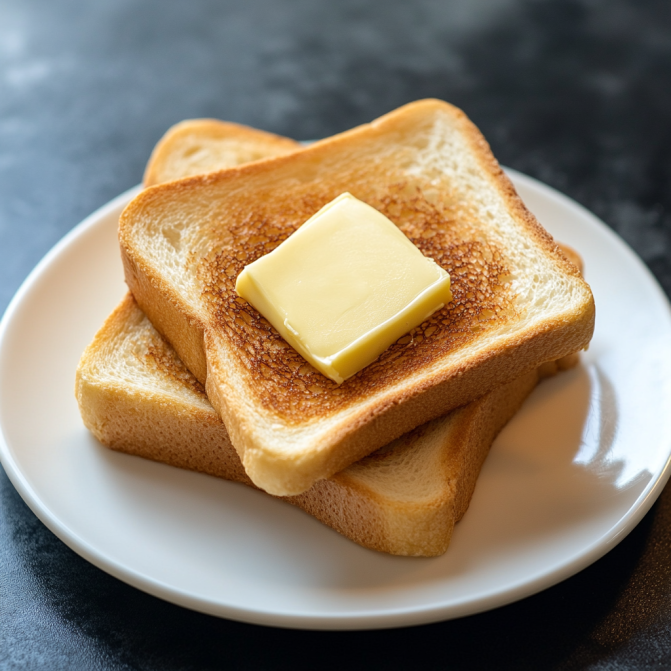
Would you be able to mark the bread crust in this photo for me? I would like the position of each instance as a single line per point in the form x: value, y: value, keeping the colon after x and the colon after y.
x: 198, y: 146
x: 383, y: 410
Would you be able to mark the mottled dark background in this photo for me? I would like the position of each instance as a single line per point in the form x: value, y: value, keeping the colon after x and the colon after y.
x: 574, y: 92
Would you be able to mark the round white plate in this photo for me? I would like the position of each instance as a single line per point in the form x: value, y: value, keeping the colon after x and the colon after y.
x: 567, y: 479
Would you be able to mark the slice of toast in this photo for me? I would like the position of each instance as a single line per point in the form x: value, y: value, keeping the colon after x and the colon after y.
x: 198, y: 146
x: 136, y: 396
x: 517, y: 301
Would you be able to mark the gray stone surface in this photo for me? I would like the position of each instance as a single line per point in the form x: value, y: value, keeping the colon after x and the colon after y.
x: 573, y: 92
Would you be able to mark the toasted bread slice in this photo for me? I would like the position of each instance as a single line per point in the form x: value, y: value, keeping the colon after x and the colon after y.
x: 137, y: 397
x: 198, y: 146
x: 517, y: 301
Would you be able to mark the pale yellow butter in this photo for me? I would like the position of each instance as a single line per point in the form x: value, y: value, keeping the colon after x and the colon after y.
x: 346, y: 285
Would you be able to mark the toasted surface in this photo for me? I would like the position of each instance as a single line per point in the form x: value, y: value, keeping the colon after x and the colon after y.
x: 137, y: 397
x: 198, y: 146
x: 517, y: 301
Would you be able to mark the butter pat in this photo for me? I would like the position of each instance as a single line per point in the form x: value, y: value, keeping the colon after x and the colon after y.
x: 345, y: 286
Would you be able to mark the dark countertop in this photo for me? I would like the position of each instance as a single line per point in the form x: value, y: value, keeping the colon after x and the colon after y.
x: 574, y: 92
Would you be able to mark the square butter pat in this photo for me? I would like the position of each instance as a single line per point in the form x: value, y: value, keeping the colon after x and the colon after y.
x: 346, y: 285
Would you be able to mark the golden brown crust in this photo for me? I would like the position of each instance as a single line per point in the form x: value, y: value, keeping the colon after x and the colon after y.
x: 572, y: 256
x: 174, y: 155
x: 170, y: 315
x: 403, y: 388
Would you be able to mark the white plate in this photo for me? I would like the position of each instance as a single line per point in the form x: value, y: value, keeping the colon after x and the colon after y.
x: 568, y: 478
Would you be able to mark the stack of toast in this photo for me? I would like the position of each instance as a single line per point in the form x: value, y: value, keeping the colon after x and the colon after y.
x: 390, y: 457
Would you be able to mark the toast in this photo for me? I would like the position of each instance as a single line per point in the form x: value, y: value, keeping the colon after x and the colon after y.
x: 517, y: 301
x: 137, y: 397
x: 198, y: 146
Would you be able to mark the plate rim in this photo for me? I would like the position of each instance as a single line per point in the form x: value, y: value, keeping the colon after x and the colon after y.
x: 385, y: 618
